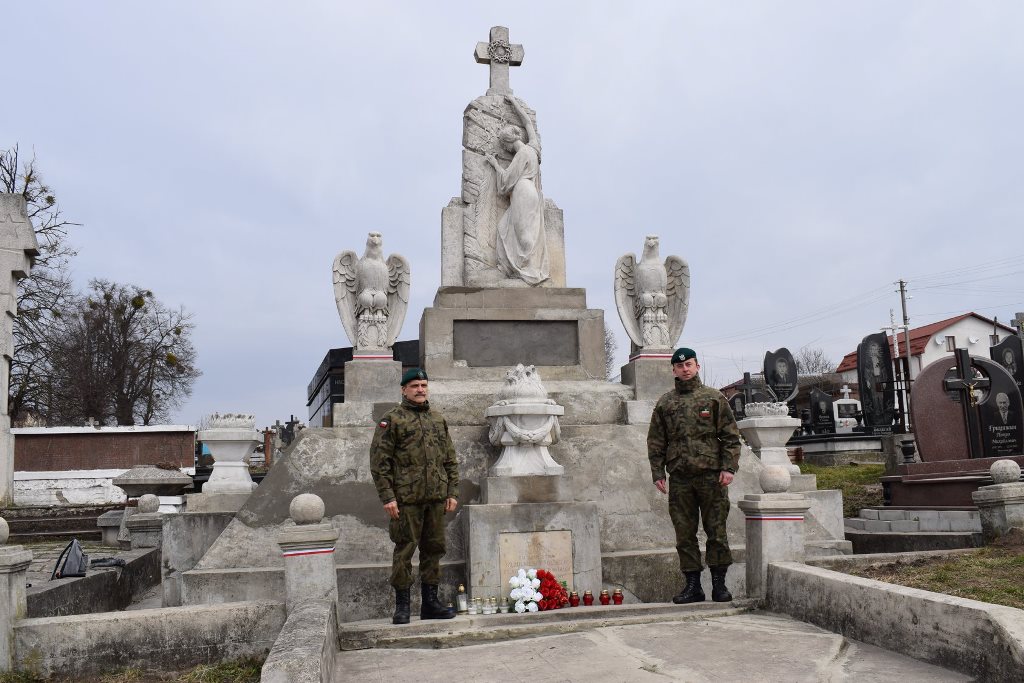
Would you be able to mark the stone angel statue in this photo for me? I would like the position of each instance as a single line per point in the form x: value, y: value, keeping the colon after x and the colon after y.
x: 372, y: 295
x: 652, y: 297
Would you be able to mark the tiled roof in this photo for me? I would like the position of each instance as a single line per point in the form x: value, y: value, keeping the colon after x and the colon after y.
x: 919, y: 337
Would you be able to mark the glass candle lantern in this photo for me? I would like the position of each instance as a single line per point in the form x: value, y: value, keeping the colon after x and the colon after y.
x: 617, y: 596
x: 605, y: 598
x: 462, y: 600
x: 588, y: 598
x: 574, y: 599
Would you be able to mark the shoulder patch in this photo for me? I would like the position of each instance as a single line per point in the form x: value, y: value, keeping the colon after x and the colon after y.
x: 383, y: 424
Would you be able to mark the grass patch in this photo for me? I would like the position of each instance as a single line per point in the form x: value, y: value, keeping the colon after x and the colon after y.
x: 860, y: 484
x: 992, y: 574
x: 240, y: 671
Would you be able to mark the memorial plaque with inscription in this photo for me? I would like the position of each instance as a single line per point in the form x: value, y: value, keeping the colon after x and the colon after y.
x: 497, y: 343
x: 550, y: 550
x: 780, y: 374
x: 877, y: 388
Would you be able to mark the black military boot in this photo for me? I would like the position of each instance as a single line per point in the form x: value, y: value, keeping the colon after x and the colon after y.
x: 692, y: 592
x: 401, y: 606
x: 719, y: 593
x: 431, y: 607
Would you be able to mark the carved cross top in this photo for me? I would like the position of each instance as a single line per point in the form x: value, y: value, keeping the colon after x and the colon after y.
x: 500, y: 55
x: 1018, y: 324
x: 845, y: 391
x: 747, y: 388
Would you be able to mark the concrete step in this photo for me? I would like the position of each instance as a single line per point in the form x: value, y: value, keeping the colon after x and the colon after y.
x: 93, y: 534
x: 908, y: 520
x: 900, y: 542
x: 475, y: 629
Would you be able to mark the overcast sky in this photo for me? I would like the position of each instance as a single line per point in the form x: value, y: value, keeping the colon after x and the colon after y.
x: 802, y: 156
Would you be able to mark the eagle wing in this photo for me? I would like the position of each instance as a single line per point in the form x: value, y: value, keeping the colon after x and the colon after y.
x: 678, y: 293
x: 625, y: 297
x: 346, y: 284
x: 398, y: 295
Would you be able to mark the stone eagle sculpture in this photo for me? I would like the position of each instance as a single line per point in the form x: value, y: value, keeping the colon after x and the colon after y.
x: 652, y: 297
x: 372, y: 295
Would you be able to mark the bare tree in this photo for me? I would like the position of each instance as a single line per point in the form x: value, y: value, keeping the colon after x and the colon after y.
x: 41, y: 297
x: 813, y: 361
x: 122, y: 357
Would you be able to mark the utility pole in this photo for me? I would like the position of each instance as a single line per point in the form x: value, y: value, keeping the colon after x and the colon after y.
x: 906, y: 344
x: 894, y: 329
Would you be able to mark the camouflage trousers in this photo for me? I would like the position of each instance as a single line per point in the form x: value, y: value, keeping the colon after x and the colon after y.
x: 698, y: 493
x: 423, y: 526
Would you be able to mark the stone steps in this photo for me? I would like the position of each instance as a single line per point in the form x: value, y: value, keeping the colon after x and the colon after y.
x: 475, y: 629
x: 885, y: 520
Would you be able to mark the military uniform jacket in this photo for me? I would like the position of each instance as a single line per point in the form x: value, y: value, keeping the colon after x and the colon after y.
x: 412, y: 459
x: 692, y: 429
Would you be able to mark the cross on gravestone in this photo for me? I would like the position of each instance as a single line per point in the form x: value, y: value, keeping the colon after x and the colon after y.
x: 846, y: 391
x: 747, y: 387
x: 91, y: 423
x: 1018, y: 324
x: 966, y: 382
x: 500, y: 55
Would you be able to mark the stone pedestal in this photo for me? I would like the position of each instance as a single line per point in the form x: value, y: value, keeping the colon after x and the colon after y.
x: 308, y: 550
x: 145, y: 527
x: 110, y: 524
x: 549, y: 532
x: 767, y: 436
x: 215, y: 502
x: 231, y: 439
x: 373, y: 379
x: 774, y: 533
x: 649, y: 372
x: 474, y: 333
x: 14, y: 562
x: 1002, y: 504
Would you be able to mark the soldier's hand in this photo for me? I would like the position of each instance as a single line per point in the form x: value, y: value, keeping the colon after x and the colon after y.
x: 392, y: 509
x: 450, y: 505
x: 660, y: 484
x: 725, y: 478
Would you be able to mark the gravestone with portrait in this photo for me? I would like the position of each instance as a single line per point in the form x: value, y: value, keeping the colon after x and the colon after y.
x: 780, y: 376
x: 822, y: 418
x: 877, y: 388
x: 845, y: 411
x: 967, y: 413
x: 1010, y: 354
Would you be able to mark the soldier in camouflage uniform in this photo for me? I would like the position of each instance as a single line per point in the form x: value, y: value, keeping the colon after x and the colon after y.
x: 413, y: 465
x: 693, y: 436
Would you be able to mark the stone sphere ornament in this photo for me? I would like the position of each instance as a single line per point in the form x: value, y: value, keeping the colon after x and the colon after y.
x: 775, y: 479
x: 306, y: 508
x: 148, y: 503
x: 1005, y: 471
x: 5, y: 531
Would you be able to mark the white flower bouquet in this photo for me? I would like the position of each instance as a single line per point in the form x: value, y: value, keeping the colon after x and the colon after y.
x: 525, y: 590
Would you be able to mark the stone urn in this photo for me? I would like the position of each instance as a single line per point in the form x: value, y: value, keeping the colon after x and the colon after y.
x: 524, y: 422
x: 231, y: 438
x: 766, y: 430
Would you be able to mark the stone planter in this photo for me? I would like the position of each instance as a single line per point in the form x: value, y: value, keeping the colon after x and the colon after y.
x: 767, y: 436
x: 231, y: 439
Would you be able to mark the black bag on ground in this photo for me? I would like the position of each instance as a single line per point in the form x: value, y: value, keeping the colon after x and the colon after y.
x: 75, y: 562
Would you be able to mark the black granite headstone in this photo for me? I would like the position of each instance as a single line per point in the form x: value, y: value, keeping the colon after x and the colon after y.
x: 877, y: 389
x: 738, y: 405
x: 1010, y: 354
x: 822, y: 420
x: 780, y: 374
x: 1001, y: 412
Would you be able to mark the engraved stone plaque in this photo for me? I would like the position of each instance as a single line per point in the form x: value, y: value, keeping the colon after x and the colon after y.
x: 550, y: 550
x: 497, y: 343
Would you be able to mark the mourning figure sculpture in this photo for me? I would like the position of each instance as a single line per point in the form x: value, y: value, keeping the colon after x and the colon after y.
x: 372, y: 295
x: 652, y: 298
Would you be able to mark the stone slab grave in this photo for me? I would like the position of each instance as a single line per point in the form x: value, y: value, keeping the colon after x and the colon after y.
x: 593, y: 478
x: 959, y: 430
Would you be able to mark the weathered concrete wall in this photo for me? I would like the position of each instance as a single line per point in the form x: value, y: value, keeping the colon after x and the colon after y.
x: 979, y: 639
x: 186, y: 538
x: 170, y: 639
x: 100, y: 590
x: 305, y: 650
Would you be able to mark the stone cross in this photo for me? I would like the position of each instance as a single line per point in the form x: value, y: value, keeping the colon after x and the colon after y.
x: 500, y: 55
x: 91, y: 422
x: 1018, y: 324
x: 845, y: 391
x: 747, y: 387
x: 967, y: 383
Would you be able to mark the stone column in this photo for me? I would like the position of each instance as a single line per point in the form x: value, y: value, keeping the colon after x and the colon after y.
x: 18, y: 247
x: 308, y: 550
x: 1002, y: 504
x: 768, y: 433
x: 774, y: 527
x: 14, y: 561
x: 145, y: 527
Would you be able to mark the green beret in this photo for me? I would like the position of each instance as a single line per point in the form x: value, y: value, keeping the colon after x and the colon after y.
x: 411, y: 374
x: 683, y: 354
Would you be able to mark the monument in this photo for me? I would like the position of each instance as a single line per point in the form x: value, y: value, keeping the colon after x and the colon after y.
x: 780, y: 374
x: 18, y: 248
x: 372, y: 295
x: 652, y: 299
x: 967, y: 413
x: 553, y: 472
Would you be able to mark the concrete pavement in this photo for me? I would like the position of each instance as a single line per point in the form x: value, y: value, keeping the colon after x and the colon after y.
x: 752, y: 646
